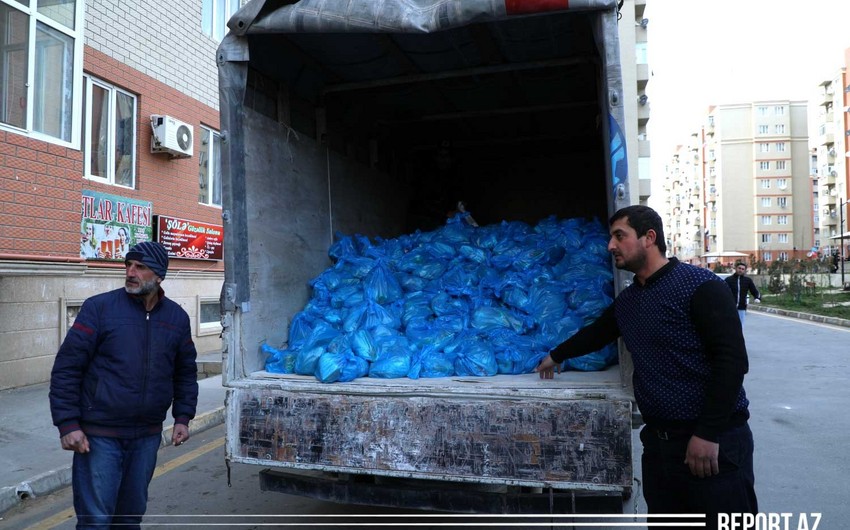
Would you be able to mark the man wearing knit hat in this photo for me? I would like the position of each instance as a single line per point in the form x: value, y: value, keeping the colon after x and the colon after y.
x: 127, y: 359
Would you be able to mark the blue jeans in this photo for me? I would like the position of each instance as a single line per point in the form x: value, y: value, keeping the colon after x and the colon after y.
x: 742, y: 313
x: 111, y: 481
x: 669, y: 486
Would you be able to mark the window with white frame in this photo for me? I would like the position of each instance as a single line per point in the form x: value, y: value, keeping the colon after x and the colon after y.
x: 762, y: 111
x: 109, y: 133
x: 766, y: 256
x: 780, y: 164
x: 780, y: 147
x: 782, y: 219
x: 782, y: 238
x: 782, y: 201
x: 764, y: 165
x: 762, y: 129
x: 764, y: 147
x: 765, y: 202
x: 209, y: 168
x: 214, y: 17
x: 41, y: 46
x: 779, y: 110
x: 783, y: 256
x: 782, y: 183
x: 209, y: 315
x: 780, y: 128
x: 766, y: 220
x: 765, y: 184
x: 765, y: 238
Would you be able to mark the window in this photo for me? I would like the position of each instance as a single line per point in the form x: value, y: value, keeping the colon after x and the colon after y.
x: 764, y: 147
x: 782, y: 201
x: 765, y: 184
x: 780, y: 128
x: 209, y: 316
x: 779, y: 110
x: 764, y: 166
x: 765, y: 220
x: 762, y: 129
x: 782, y: 183
x: 782, y: 238
x: 109, y: 133
x: 214, y: 17
x: 209, y: 170
x: 780, y: 164
x: 783, y: 256
x: 780, y: 147
x: 765, y: 202
x: 766, y: 256
x: 762, y: 111
x: 765, y: 238
x: 40, y: 67
x: 782, y: 219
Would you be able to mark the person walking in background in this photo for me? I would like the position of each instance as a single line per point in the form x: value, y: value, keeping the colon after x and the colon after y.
x: 689, y: 363
x: 741, y: 286
x: 128, y: 357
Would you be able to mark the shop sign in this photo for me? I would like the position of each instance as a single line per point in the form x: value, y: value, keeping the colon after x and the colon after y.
x: 190, y: 239
x: 111, y: 224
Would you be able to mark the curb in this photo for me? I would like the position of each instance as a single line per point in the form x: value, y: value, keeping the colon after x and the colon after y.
x: 47, y: 483
x: 834, y: 321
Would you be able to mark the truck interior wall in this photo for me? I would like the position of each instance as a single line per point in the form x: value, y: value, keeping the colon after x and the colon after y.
x: 299, y: 193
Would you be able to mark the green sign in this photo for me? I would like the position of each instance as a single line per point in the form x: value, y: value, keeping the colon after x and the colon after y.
x: 111, y: 224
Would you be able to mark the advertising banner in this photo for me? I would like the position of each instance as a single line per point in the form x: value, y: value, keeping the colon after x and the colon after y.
x: 110, y: 225
x: 190, y: 239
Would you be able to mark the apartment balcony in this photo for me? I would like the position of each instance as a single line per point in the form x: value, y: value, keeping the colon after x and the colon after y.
x: 826, y: 98
x: 644, y: 150
x: 642, y: 75
x: 826, y: 138
x: 640, y: 8
x: 643, y: 113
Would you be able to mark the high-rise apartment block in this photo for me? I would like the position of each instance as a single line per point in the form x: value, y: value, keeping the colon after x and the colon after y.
x: 829, y: 172
x: 741, y: 186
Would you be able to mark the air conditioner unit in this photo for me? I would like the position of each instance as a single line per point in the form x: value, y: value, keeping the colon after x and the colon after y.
x: 833, y: 173
x: 171, y: 136
x: 831, y: 152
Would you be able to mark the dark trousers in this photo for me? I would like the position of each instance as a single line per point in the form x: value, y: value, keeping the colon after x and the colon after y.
x: 669, y: 487
x: 111, y: 481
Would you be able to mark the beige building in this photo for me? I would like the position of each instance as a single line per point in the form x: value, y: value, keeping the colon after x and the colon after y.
x: 635, y: 68
x: 829, y: 165
x: 741, y: 186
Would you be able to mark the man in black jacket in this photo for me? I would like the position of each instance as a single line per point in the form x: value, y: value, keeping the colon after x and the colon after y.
x: 742, y: 285
x: 128, y: 357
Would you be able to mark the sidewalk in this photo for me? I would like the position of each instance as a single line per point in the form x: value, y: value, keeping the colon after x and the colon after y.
x: 31, y: 458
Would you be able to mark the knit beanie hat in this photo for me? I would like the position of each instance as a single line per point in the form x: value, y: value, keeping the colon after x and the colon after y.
x: 152, y: 254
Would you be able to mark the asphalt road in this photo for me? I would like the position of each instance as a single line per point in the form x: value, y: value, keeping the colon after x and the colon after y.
x: 798, y: 385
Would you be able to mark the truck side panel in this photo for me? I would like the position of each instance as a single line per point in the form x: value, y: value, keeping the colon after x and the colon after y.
x: 520, y: 442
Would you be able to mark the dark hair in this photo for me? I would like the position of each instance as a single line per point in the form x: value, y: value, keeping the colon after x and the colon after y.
x: 642, y: 219
x: 738, y: 264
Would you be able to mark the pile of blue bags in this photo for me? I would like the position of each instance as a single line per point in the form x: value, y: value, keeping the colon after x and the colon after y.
x: 457, y: 301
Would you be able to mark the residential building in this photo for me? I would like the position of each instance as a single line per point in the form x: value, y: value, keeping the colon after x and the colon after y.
x: 86, y: 84
x: 829, y: 147
x: 742, y: 187
x: 635, y: 69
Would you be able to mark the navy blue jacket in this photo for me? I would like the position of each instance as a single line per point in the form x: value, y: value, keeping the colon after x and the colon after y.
x: 121, y: 367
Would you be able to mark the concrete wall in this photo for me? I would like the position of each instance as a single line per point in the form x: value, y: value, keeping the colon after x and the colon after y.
x: 37, y: 308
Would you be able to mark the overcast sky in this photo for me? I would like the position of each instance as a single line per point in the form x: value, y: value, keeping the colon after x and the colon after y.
x: 724, y: 51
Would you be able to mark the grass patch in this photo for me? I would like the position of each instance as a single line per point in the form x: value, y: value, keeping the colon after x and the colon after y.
x: 825, y: 302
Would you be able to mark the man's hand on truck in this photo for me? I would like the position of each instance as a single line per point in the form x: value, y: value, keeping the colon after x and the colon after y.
x: 547, y: 368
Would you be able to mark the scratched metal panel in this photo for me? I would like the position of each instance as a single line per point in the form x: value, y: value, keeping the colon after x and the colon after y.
x: 530, y: 442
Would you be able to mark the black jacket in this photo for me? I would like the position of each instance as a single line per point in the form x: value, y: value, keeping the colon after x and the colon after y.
x: 739, y: 291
